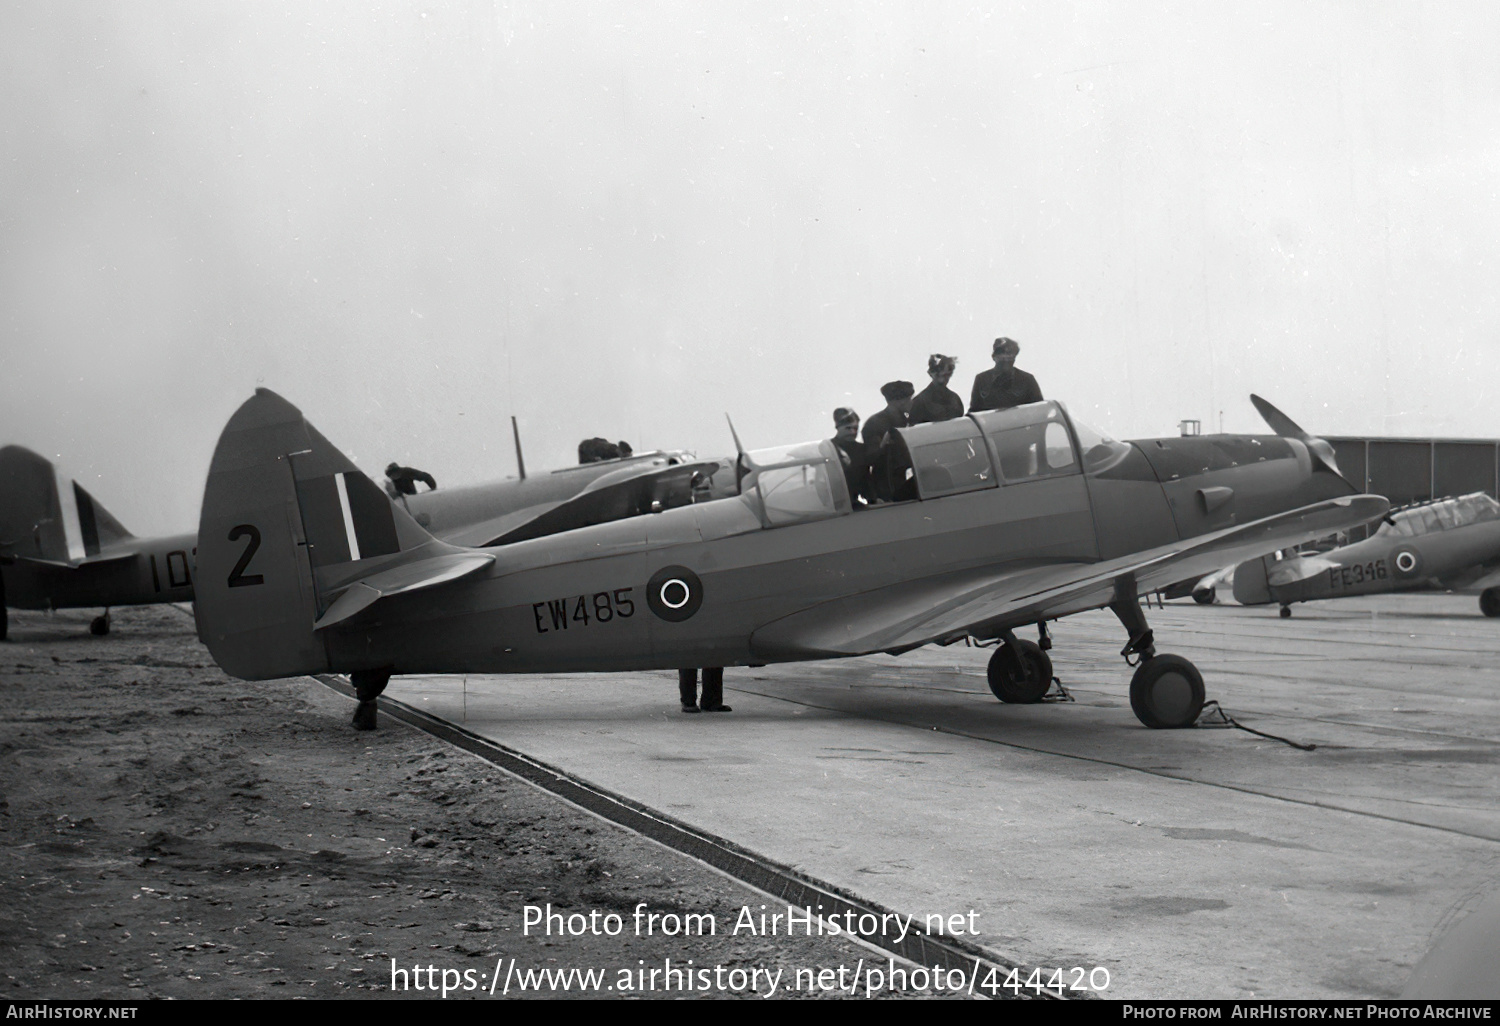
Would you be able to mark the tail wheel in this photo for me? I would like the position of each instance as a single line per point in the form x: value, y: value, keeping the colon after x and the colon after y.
x: 1020, y: 672
x: 1489, y: 602
x: 1167, y: 692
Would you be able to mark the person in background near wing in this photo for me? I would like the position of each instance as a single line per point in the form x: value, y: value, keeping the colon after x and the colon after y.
x: 404, y: 479
x: 853, y: 455
x: 1004, y: 386
x: 880, y: 443
x: 937, y: 401
x: 713, y: 690
x: 624, y: 448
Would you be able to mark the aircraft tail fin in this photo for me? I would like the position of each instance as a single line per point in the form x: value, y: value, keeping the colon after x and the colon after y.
x: 1250, y: 587
x: 47, y: 516
x: 293, y: 539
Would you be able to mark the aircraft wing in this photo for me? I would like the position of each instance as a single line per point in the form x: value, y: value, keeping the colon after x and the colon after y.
x: 951, y: 606
x: 1488, y: 578
x: 627, y: 492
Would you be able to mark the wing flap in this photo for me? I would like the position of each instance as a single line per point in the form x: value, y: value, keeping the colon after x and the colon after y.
x: 425, y: 573
x: 915, y: 613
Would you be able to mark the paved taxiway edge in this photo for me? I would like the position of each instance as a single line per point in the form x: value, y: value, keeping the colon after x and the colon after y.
x: 780, y: 882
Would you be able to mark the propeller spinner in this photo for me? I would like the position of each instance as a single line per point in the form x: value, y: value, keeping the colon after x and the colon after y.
x: 1286, y: 427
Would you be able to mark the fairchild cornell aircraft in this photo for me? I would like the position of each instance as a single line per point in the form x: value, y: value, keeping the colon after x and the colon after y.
x: 1020, y: 517
x: 61, y: 549
x: 1449, y: 544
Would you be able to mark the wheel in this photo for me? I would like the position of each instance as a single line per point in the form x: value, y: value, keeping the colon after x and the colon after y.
x: 1022, y: 677
x: 1167, y: 692
x: 99, y: 626
x: 1286, y: 612
x: 1205, y: 596
x: 1489, y: 602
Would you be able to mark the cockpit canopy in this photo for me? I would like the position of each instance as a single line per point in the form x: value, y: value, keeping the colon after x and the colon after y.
x: 1441, y: 516
x: 797, y: 483
x: 963, y: 454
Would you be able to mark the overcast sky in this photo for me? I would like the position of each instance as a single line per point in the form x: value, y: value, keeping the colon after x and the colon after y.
x: 415, y: 220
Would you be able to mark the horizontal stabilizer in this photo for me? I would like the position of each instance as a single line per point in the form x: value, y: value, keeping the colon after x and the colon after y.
x: 118, y: 557
x: 408, y: 577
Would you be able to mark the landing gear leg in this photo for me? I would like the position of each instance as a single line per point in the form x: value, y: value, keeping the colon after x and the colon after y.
x: 99, y: 626
x: 1167, y: 690
x: 1286, y: 612
x: 368, y: 684
x: 4, y: 612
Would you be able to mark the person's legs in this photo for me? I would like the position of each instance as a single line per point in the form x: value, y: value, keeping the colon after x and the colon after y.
x: 687, y: 689
x: 713, y: 690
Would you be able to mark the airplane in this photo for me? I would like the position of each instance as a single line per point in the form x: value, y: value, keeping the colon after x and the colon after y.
x: 60, y: 548
x: 1450, y: 544
x: 1022, y: 516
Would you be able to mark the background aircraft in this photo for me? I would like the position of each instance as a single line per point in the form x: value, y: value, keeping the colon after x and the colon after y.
x: 1022, y: 516
x: 61, y: 549
x: 1450, y: 544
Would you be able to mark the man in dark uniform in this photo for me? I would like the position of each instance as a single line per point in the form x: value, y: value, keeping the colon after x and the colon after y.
x: 937, y: 401
x: 880, y: 443
x: 404, y: 479
x: 853, y: 455
x: 1004, y: 387
x: 713, y: 690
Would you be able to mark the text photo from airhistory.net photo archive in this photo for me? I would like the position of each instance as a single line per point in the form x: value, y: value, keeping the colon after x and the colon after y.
x: 663, y: 500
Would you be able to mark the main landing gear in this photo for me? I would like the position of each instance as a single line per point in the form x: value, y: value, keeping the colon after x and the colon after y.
x: 99, y: 626
x: 1020, y: 671
x: 368, y: 684
x: 1167, y: 690
x: 1489, y: 602
x: 1286, y: 612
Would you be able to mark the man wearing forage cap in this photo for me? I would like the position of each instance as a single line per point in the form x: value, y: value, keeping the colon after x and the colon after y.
x: 937, y: 401
x: 853, y: 455
x: 880, y: 443
x: 1004, y: 386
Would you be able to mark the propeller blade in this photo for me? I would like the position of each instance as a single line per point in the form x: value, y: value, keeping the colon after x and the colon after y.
x: 1286, y: 427
x: 1279, y: 422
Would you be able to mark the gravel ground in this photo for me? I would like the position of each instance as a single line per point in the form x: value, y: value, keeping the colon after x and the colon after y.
x: 168, y: 831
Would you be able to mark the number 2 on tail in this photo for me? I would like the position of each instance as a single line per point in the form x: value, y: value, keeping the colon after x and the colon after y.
x: 237, y: 577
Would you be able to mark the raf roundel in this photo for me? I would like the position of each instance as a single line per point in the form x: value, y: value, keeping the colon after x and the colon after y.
x: 674, y: 593
x: 1407, y: 562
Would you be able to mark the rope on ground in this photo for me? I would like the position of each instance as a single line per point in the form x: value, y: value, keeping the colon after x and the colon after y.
x: 1211, y: 708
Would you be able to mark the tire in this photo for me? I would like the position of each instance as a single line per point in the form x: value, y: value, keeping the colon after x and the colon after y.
x: 99, y: 626
x: 1021, y: 678
x: 1286, y: 612
x: 1489, y: 602
x: 1167, y: 692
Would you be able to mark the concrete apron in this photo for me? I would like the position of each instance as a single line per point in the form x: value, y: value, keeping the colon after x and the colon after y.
x: 1197, y: 863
